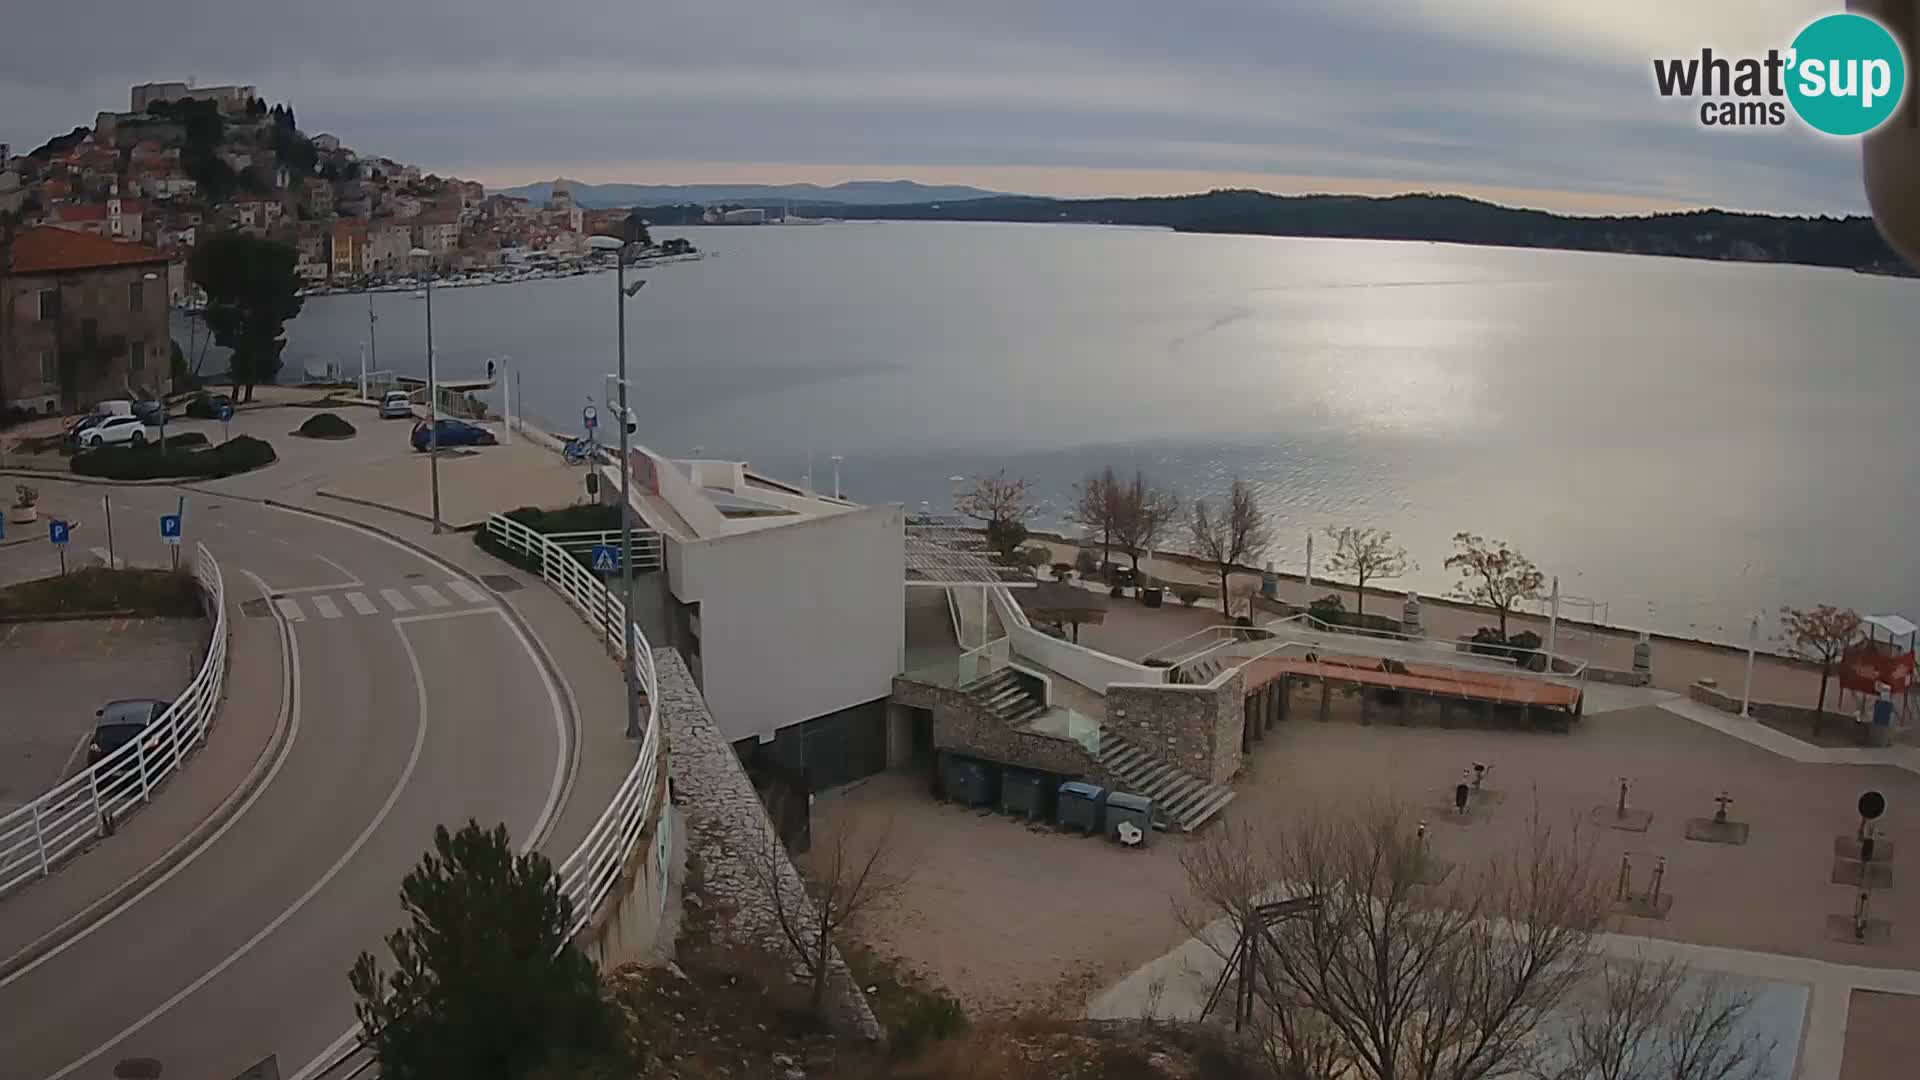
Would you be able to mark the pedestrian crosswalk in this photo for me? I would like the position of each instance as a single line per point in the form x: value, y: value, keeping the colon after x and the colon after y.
x: 389, y: 601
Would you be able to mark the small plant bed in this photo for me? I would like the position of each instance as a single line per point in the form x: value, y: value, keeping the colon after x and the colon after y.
x: 1836, y: 732
x: 242, y: 454
x: 325, y: 425
x: 100, y: 591
x: 590, y: 517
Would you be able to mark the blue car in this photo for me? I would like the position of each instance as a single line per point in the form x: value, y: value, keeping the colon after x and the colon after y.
x: 453, y: 433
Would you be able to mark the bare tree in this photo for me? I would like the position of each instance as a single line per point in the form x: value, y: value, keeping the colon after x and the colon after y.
x: 1821, y: 634
x: 1655, y: 1020
x: 1229, y: 536
x: 1095, y: 504
x: 1390, y: 977
x: 995, y: 498
x: 1493, y: 574
x: 848, y: 873
x: 1366, y: 555
x: 1004, y: 503
x: 1143, y: 514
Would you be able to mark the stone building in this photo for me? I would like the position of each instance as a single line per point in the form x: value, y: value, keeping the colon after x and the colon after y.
x: 82, y: 318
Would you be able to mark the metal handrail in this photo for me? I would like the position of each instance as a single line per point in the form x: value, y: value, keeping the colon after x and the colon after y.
x: 37, y: 836
x: 589, y: 874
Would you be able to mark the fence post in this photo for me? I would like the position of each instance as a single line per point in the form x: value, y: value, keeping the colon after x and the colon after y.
x: 140, y: 756
x: 174, y: 724
x: 100, y: 820
x: 39, y: 838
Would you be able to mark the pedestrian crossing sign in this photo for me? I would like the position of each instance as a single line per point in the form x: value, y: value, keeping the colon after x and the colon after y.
x: 605, y: 559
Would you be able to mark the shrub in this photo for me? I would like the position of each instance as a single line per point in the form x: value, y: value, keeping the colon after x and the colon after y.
x: 1005, y: 538
x: 1328, y: 609
x: 1035, y: 557
x: 1062, y: 571
x: 326, y: 425
x: 933, y: 1018
x: 1189, y: 594
x: 1086, y: 564
x: 184, y: 440
x: 25, y: 495
x: 236, y: 455
x: 96, y: 590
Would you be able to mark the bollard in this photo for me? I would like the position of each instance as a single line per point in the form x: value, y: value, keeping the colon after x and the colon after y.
x: 1720, y: 815
x: 1626, y: 871
x: 1659, y: 875
x: 1621, y: 810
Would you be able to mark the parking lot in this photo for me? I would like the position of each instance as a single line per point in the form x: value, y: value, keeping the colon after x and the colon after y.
x: 56, y: 674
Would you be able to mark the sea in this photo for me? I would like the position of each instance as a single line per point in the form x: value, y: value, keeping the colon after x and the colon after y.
x: 1685, y: 445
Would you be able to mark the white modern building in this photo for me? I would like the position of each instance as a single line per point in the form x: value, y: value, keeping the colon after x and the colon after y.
x: 789, y: 606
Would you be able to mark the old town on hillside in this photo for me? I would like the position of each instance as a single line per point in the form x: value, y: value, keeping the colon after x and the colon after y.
x: 98, y: 223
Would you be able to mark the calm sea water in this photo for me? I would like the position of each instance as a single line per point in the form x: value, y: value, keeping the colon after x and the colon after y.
x: 1689, y: 443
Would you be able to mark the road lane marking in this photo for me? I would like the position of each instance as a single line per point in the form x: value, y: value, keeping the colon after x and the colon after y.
x: 326, y: 607
x: 361, y: 605
x: 348, y: 574
x: 393, y: 798
x: 396, y: 601
x: 290, y: 608
x: 432, y: 596
x: 289, y: 716
x: 467, y: 592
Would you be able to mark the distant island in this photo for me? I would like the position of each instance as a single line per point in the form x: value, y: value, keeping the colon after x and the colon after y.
x: 1847, y: 242
x: 768, y: 196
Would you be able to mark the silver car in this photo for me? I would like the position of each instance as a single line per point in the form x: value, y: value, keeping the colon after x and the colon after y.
x: 396, y: 406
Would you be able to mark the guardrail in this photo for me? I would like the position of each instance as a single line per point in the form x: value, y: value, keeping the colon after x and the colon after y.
x: 87, y: 805
x: 648, y: 553
x: 590, y: 873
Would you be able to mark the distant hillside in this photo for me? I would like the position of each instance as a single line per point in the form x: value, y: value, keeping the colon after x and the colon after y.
x: 1850, y: 242
x: 866, y: 192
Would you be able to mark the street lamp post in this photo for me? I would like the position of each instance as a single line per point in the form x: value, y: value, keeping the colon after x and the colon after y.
x: 422, y: 256
x: 621, y: 294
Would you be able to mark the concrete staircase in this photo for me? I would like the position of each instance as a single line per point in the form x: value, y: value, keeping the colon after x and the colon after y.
x: 1199, y: 672
x: 1186, y: 801
x: 1008, y: 696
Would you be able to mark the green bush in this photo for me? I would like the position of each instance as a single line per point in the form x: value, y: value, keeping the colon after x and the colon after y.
x: 1086, y: 564
x: 933, y: 1018
x: 1328, y: 609
x: 1190, y: 594
x: 184, y: 440
x: 97, y: 589
x: 236, y: 455
x: 326, y: 425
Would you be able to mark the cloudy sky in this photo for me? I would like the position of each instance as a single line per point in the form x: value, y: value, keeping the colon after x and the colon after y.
x: 1529, y: 102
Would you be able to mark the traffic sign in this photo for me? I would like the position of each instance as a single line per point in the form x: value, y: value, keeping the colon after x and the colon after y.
x: 226, y: 413
x: 170, y: 528
x: 57, y: 532
x: 590, y: 417
x: 606, y: 558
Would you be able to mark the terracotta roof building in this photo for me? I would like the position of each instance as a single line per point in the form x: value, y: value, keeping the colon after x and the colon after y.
x: 83, y: 318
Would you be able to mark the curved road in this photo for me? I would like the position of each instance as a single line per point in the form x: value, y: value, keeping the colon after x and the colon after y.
x: 411, y: 701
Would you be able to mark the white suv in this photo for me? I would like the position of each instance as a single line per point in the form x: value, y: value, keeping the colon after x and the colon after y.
x: 119, y: 429
x: 396, y: 405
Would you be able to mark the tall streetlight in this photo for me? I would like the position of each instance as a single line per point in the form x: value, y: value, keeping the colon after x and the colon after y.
x: 422, y: 258
x: 621, y: 295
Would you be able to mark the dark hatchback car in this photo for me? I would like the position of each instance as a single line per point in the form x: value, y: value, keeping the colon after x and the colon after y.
x: 120, y: 722
x: 208, y: 406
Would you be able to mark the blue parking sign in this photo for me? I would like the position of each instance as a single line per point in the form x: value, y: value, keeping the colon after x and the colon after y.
x: 606, y: 558
x: 57, y: 532
x: 226, y: 413
x: 170, y: 528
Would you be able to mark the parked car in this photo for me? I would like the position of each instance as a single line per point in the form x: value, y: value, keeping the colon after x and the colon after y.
x: 150, y: 410
x: 112, y: 430
x: 81, y: 426
x: 207, y: 406
x: 120, y: 722
x: 453, y: 433
x: 396, y: 405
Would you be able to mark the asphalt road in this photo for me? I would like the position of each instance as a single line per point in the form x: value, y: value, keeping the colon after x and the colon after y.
x: 412, y: 701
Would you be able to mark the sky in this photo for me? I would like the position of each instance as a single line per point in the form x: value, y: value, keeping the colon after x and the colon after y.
x: 1547, y: 104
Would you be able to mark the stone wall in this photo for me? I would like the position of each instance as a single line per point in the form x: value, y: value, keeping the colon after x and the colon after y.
x: 640, y: 918
x: 1766, y: 710
x: 959, y: 723
x: 727, y: 828
x: 1196, y: 729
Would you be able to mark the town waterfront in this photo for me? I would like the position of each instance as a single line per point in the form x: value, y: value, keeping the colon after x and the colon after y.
x: 1691, y: 443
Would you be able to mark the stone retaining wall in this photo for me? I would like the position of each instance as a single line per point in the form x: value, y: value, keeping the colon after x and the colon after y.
x: 1765, y: 710
x: 727, y: 826
x: 959, y: 723
x: 1196, y: 729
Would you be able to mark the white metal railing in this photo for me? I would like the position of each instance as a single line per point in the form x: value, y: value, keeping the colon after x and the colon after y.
x: 590, y: 873
x: 648, y: 553
x: 35, y: 837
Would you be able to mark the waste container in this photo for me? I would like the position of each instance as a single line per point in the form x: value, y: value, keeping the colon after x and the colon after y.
x: 1153, y: 595
x: 1127, y: 808
x: 969, y: 781
x: 1024, y: 793
x: 1080, y: 806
